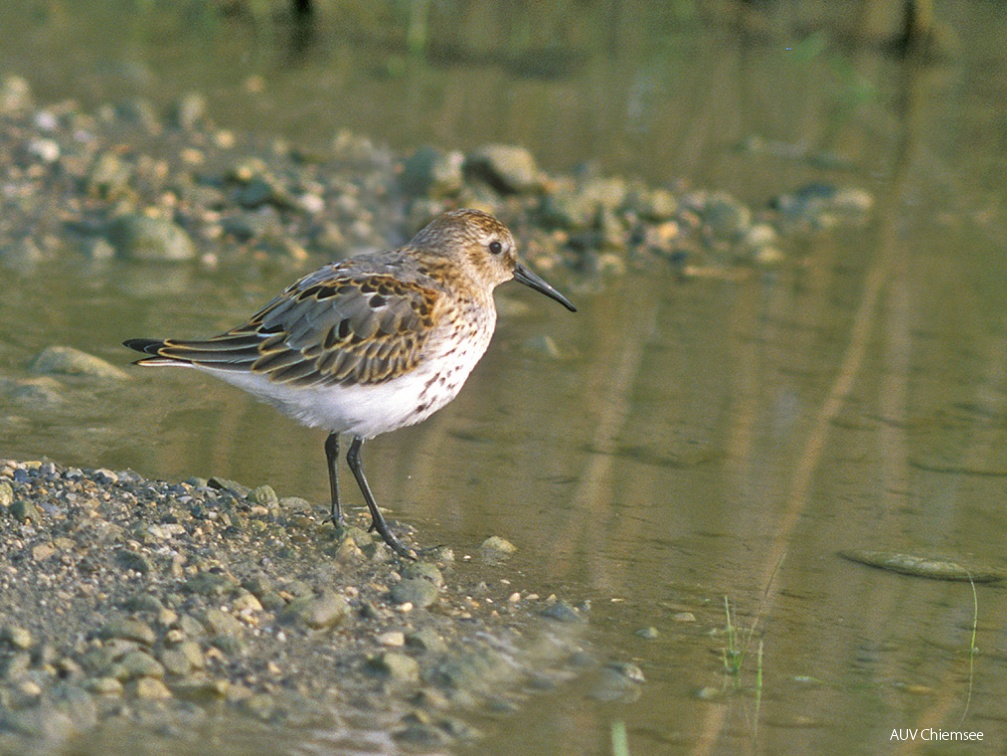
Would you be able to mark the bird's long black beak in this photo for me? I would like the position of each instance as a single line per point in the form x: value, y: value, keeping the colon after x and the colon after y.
x: 525, y: 276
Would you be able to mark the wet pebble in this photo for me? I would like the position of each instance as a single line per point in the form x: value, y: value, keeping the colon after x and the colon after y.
x: 142, y: 238
x: 64, y: 360
x: 415, y: 591
x: 397, y: 667
x: 317, y: 612
x: 509, y: 169
x: 495, y: 549
x: 130, y: 629
x: 433, y: 172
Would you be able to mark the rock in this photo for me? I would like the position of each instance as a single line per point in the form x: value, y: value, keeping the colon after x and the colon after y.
x: 246, y: 602
x: 820, y: 205
x: 152, y: 689
x: 568, y: 209
x: 24, y: 510
x: 46, y: 150
x: 64, y: 360
x: 211, y: 584
x: 647, y: 633
x: 104, y: 686
x: 130, y: 629
x: 726, y: 217
x: 265, y: 496
x: 392, y: 639
x: 175, y: 661
x: 495, y: 549
x: 507, y: 168
x: 416, y: 591
x: 15, y: 95
x: 15, y: 665
x: 561, y: 611
x: 23, y: 254
x: 619, y: 682
x: 427, y: 639
x: 424, y: 570
x: 137, y: 664
x: 607, y: 193
x: 189, y: 110
x: 135, y: 561
x: 222, y: 623
x: 398, y: 667
x: 109, y: 177
x: 433, y: 173
x: 317, y: 612
x: 655, y: 205
x: 138, y: 237
x: 32, y: 392
x: 16, y: 637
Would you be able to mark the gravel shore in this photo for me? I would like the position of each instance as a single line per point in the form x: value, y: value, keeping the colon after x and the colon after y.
x: 132, y: 605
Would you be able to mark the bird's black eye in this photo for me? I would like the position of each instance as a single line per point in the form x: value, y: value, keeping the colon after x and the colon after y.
x: 496, y: 247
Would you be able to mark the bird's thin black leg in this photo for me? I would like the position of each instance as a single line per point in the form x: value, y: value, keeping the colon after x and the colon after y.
x: 332, y: 456
x: 377, y: 520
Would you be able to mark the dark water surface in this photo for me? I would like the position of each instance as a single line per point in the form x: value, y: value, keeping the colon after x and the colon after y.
x: 698, y: 440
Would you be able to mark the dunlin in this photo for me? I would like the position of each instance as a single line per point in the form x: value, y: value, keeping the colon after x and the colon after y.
x: 370, y: 344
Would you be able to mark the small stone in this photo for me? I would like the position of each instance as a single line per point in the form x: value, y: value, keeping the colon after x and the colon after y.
x: 15, y: 665
x: 64, y: 360
x: 137, y: 664
x: 189, y: 110
x: 23, y: 510
x: 507, y: 168
x: 42, y: 551
x: 109, y: 177
x: 725, y: 216
x: 138, y: 237
x: 561, y: 611
x: 433, y: 173
x: 15, y: 95
x: 396, y: 666
x: 318, y: 613
x: 392, y: 639
x: 104, y: 686
x: 135, y: 561
x: 259, y: 705
x: 619, y: 682
x: 174, y: 661
x: 647, y: 633
x: 222, y: 623
x: 246, y: 602
x: 193, y: 654
x: 211, y: 584
x: 424, y: 570
x: 265, y: 496
x: 6, y: 494
x: 427, y: 639
x: 495, y: 549
x: 46, y: 150
x: 416, y: 591
x: 16, y: 637
x: 130, y: 629
x: 656, y: 205
x: 152, y: 689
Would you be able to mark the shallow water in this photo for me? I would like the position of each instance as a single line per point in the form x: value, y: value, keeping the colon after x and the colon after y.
x: 698, y: 440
